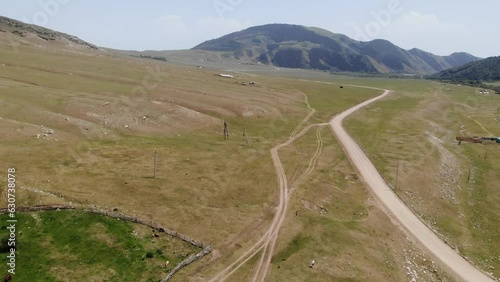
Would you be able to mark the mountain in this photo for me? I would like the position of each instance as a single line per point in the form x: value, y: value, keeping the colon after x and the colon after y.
x: 297, y: 46
x: 484, y: 73
x: 485, y: 70
x: 14, y: 32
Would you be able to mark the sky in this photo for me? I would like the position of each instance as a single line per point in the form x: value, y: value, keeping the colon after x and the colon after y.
x: 441, y: 27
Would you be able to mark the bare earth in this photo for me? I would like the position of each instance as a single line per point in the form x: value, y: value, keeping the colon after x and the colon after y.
x: 396, y: 208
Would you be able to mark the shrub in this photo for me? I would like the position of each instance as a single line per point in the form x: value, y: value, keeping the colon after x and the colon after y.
x: 4, y: 245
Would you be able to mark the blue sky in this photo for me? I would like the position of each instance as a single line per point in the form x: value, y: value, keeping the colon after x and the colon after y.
x: 441, y: 27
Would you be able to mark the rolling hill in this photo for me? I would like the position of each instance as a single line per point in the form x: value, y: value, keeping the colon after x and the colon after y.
x: 297, y: 46
x: 18, y: 33
x: 484, y: 70
x: 281, y: 45
x: 484, y: 73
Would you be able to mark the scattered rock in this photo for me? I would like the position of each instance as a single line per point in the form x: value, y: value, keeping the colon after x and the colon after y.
x: 351, y: 177
x: 449, y: 172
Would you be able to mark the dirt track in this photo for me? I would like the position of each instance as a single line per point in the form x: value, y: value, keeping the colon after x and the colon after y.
x: 396, y: 208
x: 268, y: 241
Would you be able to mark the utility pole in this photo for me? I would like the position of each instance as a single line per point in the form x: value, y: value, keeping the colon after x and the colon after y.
x: 226, y: 131
x: 154, y: 165
x: 246, y: 136
x: 397, y: 175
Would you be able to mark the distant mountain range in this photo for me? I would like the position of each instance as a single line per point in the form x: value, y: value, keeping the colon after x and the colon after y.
x: 281, y: 45
x: 295, y: 46
x: 485, y: 70
x: 484, y: 74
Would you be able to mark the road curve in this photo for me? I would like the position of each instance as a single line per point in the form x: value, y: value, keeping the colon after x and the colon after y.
x: 395, y: 206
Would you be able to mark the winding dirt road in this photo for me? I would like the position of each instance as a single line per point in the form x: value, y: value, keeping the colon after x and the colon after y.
x: 397, y: 209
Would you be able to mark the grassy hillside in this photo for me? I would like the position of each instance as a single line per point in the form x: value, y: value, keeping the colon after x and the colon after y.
x: 484, y: 70
x: 483, y: 73
x: 79, y: 246
x: 40, y: 36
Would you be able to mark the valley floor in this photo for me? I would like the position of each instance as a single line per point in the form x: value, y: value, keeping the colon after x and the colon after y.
x: 83, y: 128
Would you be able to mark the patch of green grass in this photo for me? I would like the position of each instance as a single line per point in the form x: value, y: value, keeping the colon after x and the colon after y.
x: 330, y: 99
x: 380, y: 116
x: 496, y: 83
x: 55, y: 244
x: 449, y: 226
x: 293, y: 247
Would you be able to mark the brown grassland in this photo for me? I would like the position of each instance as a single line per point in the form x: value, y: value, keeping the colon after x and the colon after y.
x: 100, y: 116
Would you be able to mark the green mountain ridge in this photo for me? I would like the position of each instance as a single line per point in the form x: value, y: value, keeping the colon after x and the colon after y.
x: 484, y: 73
x: 295, y: 46
x: 485, y: 70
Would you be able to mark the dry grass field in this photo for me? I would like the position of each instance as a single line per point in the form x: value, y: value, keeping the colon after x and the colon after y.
x: 81, y: 127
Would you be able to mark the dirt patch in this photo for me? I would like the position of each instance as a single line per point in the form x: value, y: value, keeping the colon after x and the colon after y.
x: 314, y: 208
